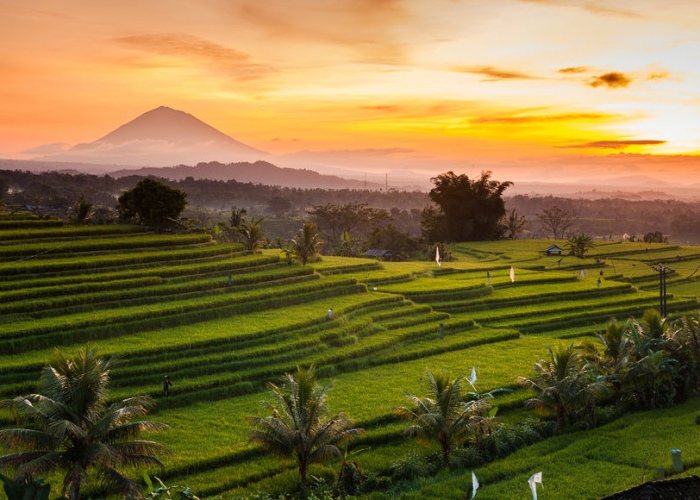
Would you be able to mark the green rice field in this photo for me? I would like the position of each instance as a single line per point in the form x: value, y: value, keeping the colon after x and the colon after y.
x: 222, y: 322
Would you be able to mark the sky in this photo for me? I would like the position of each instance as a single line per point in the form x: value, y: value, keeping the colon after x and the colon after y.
x: 532, y: 90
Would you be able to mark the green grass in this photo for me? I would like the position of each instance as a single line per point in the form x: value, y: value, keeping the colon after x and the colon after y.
x: 165, y: 306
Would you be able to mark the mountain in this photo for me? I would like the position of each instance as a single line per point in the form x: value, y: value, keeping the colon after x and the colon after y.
x: 259, y: 172
x: 161, y: 137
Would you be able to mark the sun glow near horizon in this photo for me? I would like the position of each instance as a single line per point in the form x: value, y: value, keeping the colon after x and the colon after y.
x: 427, y: 83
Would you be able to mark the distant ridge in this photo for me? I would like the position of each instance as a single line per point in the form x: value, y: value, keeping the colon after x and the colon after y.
x: 161, y: 137
x: 259, y: 172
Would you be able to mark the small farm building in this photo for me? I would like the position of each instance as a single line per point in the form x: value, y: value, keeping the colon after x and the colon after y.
x: 554, y: 250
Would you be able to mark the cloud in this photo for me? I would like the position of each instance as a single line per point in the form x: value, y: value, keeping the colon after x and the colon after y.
x: 573, y: 70
x: 593, y: 7
x: 367, y: 27
x: 658, y: 75
x: 617, y: 144
x: 47, y: 149
x: 517, y: 119
x: 195, y: 49
x: 611, y: 80
x: 384, y: 108
x: 359, y: 153
x: 493, y: 73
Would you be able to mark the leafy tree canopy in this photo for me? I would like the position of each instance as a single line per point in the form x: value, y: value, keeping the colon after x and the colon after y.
x: 152, y: 203
x: 468, y: 209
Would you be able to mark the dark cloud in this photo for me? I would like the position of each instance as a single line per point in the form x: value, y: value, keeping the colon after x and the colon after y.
x: 573, y: 70
x: 617, y: 144
x: 493, y: 73
x: 612, y: 80
x: 520, y: 119
x: 195, y: 49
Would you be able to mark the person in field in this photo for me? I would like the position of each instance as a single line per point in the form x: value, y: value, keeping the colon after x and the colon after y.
x: 330, y: 313
x: 166, y: 386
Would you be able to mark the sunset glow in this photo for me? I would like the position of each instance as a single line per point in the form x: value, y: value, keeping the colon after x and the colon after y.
x: 593, y: 88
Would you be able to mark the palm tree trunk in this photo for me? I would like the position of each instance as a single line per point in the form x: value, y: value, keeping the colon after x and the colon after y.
x: 302, y: 474
x: 75, y: 489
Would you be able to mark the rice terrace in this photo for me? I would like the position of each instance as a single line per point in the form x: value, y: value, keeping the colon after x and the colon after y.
x: 221, y: 322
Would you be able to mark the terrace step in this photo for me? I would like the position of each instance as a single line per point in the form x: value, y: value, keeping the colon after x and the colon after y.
x: 496, y: 301
x: 72, y: 247
x: 67, y: 265
x: 149, y: 292
x: 241, y: 262
x: 73, y: 328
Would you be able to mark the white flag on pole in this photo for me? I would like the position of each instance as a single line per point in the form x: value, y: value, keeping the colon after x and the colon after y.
x: 437, y: 256
x: 512, y: 274
x: 534, y: 479
x: 475, y: 484
x: 472, y: 378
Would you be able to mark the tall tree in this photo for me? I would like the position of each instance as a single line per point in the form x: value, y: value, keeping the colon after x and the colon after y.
x: 307, y: 242
x: 556, y: 221
x: 152, y: 203
x: 71, y: 427
x: 299, y: 425
x: 443, y: 417
x: 471, y: 208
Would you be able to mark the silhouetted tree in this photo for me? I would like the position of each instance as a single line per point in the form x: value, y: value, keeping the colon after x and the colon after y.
x: 82, y: 209
x: 152, y: 203
x: 468, y: 210
x: 655, y: 237
x: 556, y: 221
x: 514, y: 224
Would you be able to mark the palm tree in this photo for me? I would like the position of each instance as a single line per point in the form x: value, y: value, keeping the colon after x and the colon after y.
x: 72, y: 428
x: 252, y: 233
x: 307, y: 242
x: 513, y: 224
x: 564, y: 385
x: 443, y: 417
x: 579, y: 244
x: 298, y: 426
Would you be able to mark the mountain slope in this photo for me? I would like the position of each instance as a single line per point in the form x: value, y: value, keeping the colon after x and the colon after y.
x: 162, y: 137
x: 259, y: 172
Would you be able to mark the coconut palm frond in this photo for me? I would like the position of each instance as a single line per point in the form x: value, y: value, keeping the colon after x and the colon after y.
x: 73, y: 427
x: 299, y: 426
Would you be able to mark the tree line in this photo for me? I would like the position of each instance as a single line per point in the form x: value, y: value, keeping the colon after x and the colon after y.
x: 414, y: 213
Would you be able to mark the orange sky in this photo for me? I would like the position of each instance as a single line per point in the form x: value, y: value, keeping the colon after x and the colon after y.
x: 593, y: 88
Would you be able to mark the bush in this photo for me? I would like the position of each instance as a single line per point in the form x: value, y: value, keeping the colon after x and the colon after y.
x: 411, y: 466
